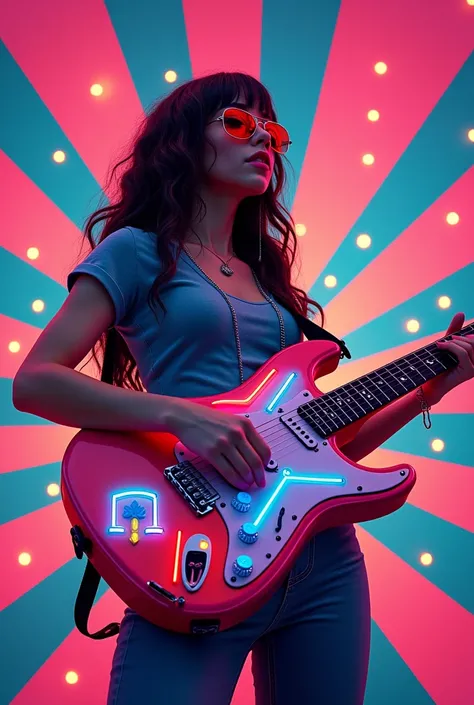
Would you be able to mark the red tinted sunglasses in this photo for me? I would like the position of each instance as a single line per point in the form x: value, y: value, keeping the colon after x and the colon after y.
x: 240, y: 124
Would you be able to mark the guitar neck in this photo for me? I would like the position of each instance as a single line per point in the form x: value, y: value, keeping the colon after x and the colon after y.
x: 353, y: 401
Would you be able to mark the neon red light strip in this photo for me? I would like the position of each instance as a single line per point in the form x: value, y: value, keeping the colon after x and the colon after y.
x: 249, y: 398
x: 176, y: 557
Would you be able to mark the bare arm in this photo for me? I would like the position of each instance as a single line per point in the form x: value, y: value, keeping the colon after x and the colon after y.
x: 48, y: 386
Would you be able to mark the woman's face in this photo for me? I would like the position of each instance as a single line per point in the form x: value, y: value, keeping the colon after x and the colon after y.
x: 231, y: 173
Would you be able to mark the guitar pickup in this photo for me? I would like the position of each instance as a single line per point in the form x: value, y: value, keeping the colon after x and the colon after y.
x: 193, y: 486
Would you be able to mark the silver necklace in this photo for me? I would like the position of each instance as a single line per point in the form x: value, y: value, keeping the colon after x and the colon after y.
x: 234, y: 315
x: 225, y: 269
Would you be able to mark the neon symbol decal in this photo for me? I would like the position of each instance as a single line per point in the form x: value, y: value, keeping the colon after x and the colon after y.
x: 135, y: 513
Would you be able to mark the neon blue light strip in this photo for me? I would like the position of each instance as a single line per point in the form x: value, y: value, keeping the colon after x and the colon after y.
x: 318, y: 479
x: 281, y: 391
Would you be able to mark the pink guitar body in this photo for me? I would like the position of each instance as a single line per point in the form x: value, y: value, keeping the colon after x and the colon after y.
x: 188, y: 551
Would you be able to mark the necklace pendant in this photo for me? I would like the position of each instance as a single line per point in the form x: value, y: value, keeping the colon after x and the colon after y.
x: 225, y: 269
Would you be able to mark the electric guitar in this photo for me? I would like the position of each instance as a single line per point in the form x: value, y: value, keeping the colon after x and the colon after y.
x: 191, y: 553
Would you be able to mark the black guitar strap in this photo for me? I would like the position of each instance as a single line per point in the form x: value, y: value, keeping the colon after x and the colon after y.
x: 91, y: 579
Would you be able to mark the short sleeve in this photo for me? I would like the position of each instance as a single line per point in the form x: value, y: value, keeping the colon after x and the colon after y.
x: 114, y: 263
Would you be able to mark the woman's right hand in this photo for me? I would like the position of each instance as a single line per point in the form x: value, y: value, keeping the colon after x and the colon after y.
x: 230, y: 443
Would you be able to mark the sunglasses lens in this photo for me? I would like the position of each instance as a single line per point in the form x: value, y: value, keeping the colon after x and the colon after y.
x: 238, y: 123
x: 280, y: 137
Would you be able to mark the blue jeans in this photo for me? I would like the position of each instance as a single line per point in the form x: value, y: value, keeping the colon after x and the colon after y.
x: 309, y: 642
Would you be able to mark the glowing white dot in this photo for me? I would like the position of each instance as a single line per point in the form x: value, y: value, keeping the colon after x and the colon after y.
x: 96, y: 89
x: 363, y: 241
x: 53, y: 489
x: 373, y: 115
x: 32, y: 253
x: 300, y: 229
x: 330, y: 281
x: 171, y: 76
x: 380, y: 68
x: 412, y: 326
x: 59, y: 156
x: 368, y: 159
x: 426, y: 559
x: 444, y: 302
x: 452, y: 218
x: 14, y: 346
x: 437, y: 445
x: 38, y: 306
x: 24, y: 559
x: 71, y: 677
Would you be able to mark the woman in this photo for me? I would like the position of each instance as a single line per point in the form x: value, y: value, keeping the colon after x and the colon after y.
x: 200, y: 293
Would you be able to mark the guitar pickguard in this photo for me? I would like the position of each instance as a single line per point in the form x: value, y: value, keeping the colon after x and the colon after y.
x: 309, y: 471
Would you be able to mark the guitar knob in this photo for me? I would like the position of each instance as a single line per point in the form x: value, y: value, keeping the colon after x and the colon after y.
x: 241, y: 502
x: 242, y: 566
x: 248, y: 533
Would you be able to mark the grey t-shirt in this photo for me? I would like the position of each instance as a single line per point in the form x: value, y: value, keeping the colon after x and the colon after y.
x: 191, y: 351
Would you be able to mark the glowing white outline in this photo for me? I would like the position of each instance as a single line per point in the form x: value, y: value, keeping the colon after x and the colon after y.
x: 154, y: 528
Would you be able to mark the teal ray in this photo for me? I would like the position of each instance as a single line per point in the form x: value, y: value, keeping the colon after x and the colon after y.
x: 388, y: 330
x: 21, y: 284
x: 453, y: 429
x: 410, y: 531
x: 296, y: 40
x: 30, y: 135
x: 390, y: 680
x: 24, y: 491
x: 9, y: 416
x: 437, y: 156
x: 152, y: 36
x: 36, y: 624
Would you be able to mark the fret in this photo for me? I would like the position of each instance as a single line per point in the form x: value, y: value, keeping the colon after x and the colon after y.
x: 428, y: 366
x: 342, y: 404
x: 333, y: 413
x: 331, y: 424
x: 404, y: 377
x: 382, y: 381
x: 307, y: 412
x: 353, y: 394
x: 365, y: 395
x: 414, y: 373
x: 378, y: 386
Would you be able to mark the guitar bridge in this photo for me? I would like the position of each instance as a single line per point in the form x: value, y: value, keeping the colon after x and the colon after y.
x: 193, y: 486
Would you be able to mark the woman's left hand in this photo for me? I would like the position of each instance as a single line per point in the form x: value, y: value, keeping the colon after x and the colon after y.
x: 462, y: 347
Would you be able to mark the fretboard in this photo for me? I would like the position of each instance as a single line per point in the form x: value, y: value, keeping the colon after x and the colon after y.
x: 343, y: 406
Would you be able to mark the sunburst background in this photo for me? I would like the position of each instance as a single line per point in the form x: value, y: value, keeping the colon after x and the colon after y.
x: 379, y: 100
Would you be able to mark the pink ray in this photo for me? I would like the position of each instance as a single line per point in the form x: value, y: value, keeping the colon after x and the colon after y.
x: 12, y: 330
x: 458, y: 400
x: 444, y: 489
x: 433, y: 634
x: 396, y: 274
x: 45, y: 535
x: 91, y: 660
x: 75, y: 48
x: 42, y: 225
x: 30, y: 446
x: 215, y: 33
x: 335, y: 186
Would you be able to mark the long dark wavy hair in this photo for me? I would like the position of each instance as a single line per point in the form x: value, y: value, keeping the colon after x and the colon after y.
x: 157, y: 193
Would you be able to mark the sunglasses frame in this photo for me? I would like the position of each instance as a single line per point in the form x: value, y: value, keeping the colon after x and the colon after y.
x: 257, y: 122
